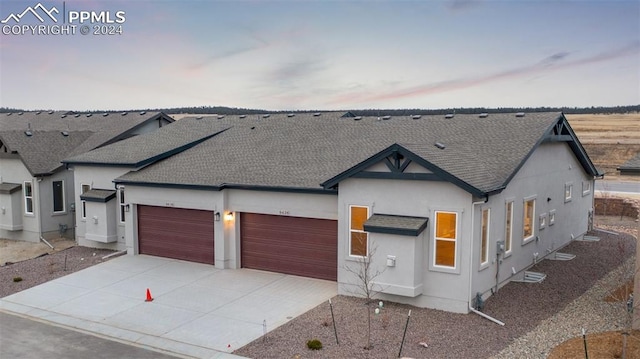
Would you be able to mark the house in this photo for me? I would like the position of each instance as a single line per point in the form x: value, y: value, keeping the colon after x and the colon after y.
x: 631, y: 167
x: 449, y: 208
x: 36, y: 191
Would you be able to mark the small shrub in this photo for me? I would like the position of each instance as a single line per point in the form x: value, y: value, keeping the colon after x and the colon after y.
x: 17, y: 279
x: 314, y: 344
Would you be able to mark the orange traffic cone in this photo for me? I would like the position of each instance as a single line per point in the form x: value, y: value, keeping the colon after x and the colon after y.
x: 149, y: 298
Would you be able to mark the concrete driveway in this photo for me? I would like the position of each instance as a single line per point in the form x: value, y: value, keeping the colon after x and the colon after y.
x: 197, y: 311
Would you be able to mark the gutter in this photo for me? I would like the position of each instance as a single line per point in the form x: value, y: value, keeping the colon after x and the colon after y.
x: 471, y: 308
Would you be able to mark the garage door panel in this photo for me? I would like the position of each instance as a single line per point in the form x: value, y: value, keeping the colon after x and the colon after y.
x: 177, y: 233
x: 291, y: 245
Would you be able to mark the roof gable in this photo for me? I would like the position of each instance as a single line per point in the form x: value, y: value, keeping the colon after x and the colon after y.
x: 397, y: 159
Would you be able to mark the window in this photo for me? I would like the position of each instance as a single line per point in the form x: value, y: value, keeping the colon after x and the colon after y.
x: 552, y: 217
x: 446, y: 232
x: 358, y: 238
x: 58, y: 196
x: 529, y: 212
x: 28, y: 198
x: 83, y: 189
x: 568, y: 191
x: 586, y: 188
x: 484, y: 237
x: 121, y: 204
x: 508, y: 230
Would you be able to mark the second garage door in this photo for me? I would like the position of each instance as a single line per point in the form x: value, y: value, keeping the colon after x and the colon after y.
x: 292, y: 245
x: 177, y: 233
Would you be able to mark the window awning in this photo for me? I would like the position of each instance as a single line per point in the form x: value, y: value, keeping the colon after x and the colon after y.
x: 98, y: 195
x: 394, y: 224
x: 8, y: 188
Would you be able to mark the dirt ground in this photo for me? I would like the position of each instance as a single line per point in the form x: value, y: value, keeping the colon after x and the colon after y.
x: 16, y: 251
x: 610, y: 140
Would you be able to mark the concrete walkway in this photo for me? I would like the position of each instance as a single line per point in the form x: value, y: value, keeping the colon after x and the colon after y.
x: 197, y: 311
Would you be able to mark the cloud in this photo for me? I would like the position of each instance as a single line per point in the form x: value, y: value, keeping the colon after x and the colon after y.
x: 459, y: 5
x: 550, y: 63
x: 295, y: 70
x: 259, y: 43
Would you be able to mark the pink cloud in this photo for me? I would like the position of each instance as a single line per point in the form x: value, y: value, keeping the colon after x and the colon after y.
x: 551, y: 63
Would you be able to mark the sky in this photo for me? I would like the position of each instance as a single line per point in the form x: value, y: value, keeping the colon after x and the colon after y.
x: 319, y: 55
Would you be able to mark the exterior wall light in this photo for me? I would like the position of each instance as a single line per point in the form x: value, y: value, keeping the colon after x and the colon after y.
x: 216, y: 216
x: 228, y: 216
x: 127, y: 207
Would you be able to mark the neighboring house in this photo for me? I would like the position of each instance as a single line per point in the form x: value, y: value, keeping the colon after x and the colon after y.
x: 631, y: 167
x: 454, y: 206
x: 36, y: 191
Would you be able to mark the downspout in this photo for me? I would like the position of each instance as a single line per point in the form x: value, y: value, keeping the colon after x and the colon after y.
x: 38, y: 181
x: 471, y: 308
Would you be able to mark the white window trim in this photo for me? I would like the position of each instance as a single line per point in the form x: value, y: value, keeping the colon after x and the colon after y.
x: 508, y: 235
x: 357, y: 231
x: 568, y: 186
x: 121, y: 205
x: 486, y: 262
x: 586, y: 188
x: 64, y: 199
x: 436, y: 239
x: 24, y: 195
x: 83, y: 203
x: 552, y: 217
x: 526, y: 240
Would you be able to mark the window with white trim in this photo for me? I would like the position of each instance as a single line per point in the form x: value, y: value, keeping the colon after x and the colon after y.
x: 568, y: 191
x: 121, y: 204
x: 484, y: 237
x: 58, y: 197
x: 508, y: 228
x: 586, y: 188
x: 27, y: 190
x: 528, y: 219
x: 446, y: 239
x: 83, y: 189
x: 358, y: 238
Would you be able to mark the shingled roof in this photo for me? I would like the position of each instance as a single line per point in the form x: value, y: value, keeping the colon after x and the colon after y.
x: 150, y: 147
x: 311, y: 152
x: 42, y: 151
x: 631, y: 166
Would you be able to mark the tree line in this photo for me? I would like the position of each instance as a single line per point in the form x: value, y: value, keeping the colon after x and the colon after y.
x: 223, y: 110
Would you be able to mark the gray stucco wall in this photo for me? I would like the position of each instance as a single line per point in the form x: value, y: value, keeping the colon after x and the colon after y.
x: 444, y: 289
x: 542, y: 177
x: 98, y: 177
x: 12, y: 170
x: 56, y: 224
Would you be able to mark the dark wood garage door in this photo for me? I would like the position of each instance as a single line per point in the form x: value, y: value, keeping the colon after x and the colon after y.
x: 300, y: 246
x: 177, y: 233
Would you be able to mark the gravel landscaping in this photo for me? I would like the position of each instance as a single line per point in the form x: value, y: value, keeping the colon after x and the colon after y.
x: 537, y: 316
x: 48, y: 267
